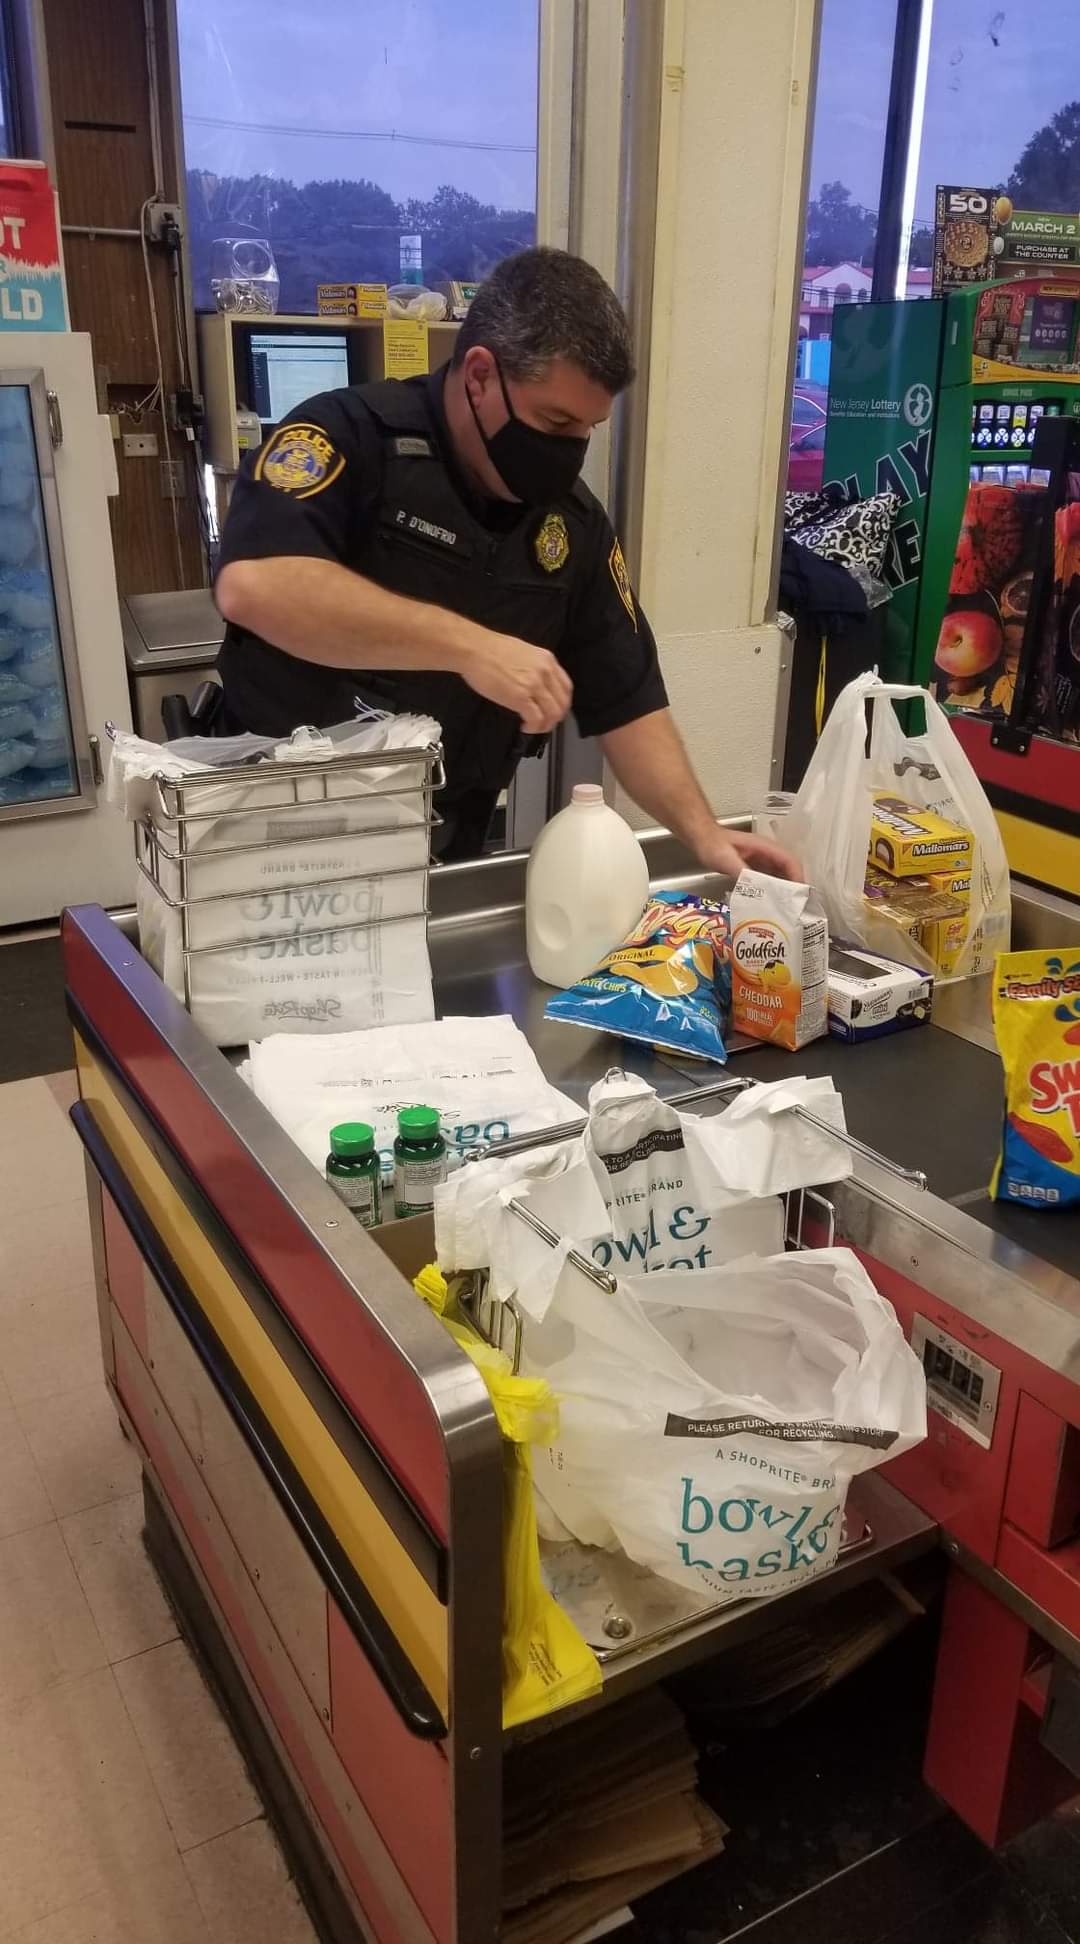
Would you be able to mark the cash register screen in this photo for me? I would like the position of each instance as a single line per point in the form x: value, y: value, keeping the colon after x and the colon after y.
x: 288, y: 367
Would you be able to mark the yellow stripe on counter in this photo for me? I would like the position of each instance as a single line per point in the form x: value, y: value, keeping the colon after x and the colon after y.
x: 406, y: 1601
x: 1051, y: 857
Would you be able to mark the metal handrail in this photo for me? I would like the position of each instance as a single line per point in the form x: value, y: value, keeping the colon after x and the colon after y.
x: 568, y: 1130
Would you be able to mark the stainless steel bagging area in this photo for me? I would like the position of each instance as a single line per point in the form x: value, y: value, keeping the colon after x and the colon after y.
x: 323, y: 1467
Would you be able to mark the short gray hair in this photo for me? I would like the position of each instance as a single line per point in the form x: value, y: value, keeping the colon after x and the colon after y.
x: 544, y: 304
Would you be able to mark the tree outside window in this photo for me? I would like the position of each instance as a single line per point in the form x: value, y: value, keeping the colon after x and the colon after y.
x: 332, y: 131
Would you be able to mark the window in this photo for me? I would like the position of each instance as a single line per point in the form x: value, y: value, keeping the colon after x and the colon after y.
x: 1002, y: 107
x: 854, y: 71
x: 7, y: 141
x: 334, y: 130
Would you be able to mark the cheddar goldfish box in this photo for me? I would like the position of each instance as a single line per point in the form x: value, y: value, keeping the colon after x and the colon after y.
x: 908, y: 842
x: 1037, y: 1024
x: 779, y: 961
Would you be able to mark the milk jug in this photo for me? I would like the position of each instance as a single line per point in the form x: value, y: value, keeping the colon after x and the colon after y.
x: 586, y: 888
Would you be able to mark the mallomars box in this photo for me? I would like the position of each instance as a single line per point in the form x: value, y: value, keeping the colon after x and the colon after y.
x: 908, y: 842
x: 351, y: 300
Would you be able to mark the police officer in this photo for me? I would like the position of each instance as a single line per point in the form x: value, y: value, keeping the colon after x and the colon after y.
x: 429, y: 547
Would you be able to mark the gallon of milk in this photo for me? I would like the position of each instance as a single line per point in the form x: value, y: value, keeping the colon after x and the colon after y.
x: 586, y: 888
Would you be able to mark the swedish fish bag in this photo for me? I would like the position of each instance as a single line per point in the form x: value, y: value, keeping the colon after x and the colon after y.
x: 546, y: 1663
x: 1037, y: 1025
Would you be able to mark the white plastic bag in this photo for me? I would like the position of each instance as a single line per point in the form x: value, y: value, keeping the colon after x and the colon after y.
x: 645, y: 1188
x: 481, y: 1074
x: 828, y: 826
x: 307, y: 897
x: 710, y: 1425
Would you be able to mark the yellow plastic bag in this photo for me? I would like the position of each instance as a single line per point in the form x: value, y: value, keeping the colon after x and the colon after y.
x: 546, y: 1663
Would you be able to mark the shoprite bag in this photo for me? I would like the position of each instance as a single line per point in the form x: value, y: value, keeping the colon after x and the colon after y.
x: 828, y: 826
x: 709, y: 1425
x: 645, y: 1187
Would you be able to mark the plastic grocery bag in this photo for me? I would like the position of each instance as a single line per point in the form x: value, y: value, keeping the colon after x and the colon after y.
x: 646, y: 1187
x: 546, y: 1663
x: 828, y: 825
x: 481, y: 1074
x: 289, y: 879
x: 710, y: 1425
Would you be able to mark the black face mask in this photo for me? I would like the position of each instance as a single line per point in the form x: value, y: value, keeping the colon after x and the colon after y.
x: 535, y: 466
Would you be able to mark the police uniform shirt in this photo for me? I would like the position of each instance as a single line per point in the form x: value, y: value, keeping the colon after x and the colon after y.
x: 366, y: 477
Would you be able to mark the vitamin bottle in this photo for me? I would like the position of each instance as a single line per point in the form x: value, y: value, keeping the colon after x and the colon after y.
x: 419, y: 1161
x: 353, y: 1171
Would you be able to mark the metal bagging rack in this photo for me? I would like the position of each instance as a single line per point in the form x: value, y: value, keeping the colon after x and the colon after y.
x: 186, y: 840
x: 500, y: 1321
x: 617, y: 1605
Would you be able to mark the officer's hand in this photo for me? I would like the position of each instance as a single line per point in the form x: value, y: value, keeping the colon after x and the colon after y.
x: 527, y: 680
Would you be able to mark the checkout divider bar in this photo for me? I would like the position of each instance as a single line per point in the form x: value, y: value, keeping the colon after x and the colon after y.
x: 394, y: 1671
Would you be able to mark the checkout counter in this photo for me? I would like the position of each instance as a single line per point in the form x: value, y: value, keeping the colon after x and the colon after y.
x: 323, y: 1468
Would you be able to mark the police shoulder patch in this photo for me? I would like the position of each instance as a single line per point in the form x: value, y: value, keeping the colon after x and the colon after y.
x: 552, y: 543
x: 300, y: 460
x: 622, y: 580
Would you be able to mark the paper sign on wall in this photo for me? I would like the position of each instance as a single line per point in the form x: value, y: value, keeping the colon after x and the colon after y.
x: 31, y: 280
x: 405, y: 347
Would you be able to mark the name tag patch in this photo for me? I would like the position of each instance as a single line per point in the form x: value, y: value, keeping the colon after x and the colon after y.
x: 425, y: 529
x: 412, y: 448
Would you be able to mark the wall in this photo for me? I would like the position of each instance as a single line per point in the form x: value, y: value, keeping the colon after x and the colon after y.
x: 100, y: 90
x: 734, y: 134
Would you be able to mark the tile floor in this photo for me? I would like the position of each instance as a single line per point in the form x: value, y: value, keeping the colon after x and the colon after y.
x: 126, y: 1814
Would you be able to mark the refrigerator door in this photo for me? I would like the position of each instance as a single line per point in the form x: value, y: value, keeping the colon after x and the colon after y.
x: 45, y: 758
x: 62, y: 673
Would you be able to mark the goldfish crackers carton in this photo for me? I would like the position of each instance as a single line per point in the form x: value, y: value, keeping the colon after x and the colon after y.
x: 1037, y: 1024
x: 779, y: 961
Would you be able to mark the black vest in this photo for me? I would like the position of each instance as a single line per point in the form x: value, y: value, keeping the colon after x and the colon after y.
x: 426, y: 543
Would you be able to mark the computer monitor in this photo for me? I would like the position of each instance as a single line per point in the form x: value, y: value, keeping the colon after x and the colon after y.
x: 289, y: 366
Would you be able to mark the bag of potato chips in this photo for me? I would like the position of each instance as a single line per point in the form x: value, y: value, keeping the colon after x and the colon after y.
x: 668, y: 984
x: 1037, y: 1023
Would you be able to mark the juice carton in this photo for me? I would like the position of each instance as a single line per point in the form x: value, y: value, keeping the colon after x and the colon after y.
x: 779, y: 961
x: 908, y: 842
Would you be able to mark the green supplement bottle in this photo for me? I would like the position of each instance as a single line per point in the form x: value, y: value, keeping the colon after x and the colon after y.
x: 353, y: 1171
x: 419, y: 1161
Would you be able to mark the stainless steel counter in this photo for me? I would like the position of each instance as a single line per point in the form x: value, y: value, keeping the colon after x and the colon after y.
x: 930, y: 1098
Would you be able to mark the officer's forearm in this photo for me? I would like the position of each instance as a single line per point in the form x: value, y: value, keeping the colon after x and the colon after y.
x: 322, y: 612
x: 651, y: 763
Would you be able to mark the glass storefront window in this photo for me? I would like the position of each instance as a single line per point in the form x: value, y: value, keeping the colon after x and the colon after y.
x: 1003, y: 104
x: 7, y: 145
x: 854, y: 70
x: 335, y: 131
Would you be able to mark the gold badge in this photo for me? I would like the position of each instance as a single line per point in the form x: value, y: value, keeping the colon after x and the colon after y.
x: 553, y: 544
x: 300, y: 460
x: 622, y: 581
